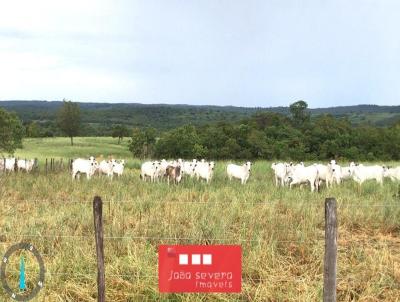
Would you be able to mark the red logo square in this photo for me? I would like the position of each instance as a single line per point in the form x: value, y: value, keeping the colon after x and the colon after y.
x: 200, y: 268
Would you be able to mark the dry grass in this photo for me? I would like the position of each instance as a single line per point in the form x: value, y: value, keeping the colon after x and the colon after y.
x: 281, y: 233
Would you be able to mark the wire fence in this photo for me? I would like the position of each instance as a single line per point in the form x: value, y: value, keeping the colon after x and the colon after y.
x: 199, y: 202
x: 137, y: 276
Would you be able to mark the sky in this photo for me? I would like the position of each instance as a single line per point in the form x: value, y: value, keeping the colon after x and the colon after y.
x: 220, y: 52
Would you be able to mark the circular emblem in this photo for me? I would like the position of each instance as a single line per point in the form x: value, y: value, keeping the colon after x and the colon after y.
x: 22, y: 272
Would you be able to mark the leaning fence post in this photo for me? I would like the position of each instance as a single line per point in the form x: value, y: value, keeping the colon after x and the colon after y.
x: 98, y: 228
x: 330, y: 259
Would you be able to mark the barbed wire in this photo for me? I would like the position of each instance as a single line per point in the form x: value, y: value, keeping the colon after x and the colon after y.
x: 170, y: 238
x: 139, y: 276
x: 163, y: 202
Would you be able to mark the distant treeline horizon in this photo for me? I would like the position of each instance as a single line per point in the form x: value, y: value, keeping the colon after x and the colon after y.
x: 226, y: 133
x: 99, y: 119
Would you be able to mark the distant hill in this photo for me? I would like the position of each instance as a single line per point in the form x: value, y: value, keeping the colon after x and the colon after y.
x: 102, y: 116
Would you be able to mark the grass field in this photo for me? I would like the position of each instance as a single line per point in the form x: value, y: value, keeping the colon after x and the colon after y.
x: 281, y: 231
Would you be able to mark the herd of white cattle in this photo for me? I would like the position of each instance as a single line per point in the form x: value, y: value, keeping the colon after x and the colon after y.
x: 286, y: 174
x: 12, y: 164
x: 289, y: 174
x: 91, y: 166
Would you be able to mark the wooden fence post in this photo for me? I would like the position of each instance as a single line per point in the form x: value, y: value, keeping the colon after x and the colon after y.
x: 46, y: 165
x: 330, y: 259
x: 99, y: 235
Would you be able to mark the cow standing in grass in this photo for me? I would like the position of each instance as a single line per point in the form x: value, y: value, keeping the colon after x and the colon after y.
x: 118, y: 168
x: 150, y: 170
x: 84, y: 166
x: 174, y: 174
x: 11, y: 164
x: 393, y: 173
x: 106, y: 167
x: 304, y: 175
x: 281, y: 171
x: 25, y: 165
x: 239, y: 172
x: 205, y: 170
x: 362, y: 173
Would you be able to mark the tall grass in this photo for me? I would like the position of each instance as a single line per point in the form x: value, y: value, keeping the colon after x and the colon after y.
x: 281, y: 232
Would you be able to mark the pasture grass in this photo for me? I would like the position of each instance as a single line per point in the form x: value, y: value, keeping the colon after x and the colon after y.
x: 281, y: 231
x: 59, y: 147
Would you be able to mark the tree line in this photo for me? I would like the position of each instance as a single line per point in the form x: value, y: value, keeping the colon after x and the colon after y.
x: 272, y: 136
x: 264, y: 135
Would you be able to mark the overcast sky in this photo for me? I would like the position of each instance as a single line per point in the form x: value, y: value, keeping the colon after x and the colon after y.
x: 223, y: 52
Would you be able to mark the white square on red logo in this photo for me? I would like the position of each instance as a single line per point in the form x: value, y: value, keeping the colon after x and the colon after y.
x: 207, y: 259
x: 183, y: 259
x: 196, y: 259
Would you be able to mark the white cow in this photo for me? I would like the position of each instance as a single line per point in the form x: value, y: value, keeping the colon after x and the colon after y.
x: 118, y: 168
x: 341, y: 173
x: 301, y: 175
x: 162, y: 168
x: 84, y: 166
x: 362, y: 173
x: 281, y: 171
x: 205, y: 170
x: 149, y: 169
x: 26, y: 165
x: 106, y: 167
x: 188, y: 168
x: 9, y: 164
x: 393, y: 173
x: 239, y: 172
x: 325, y: 173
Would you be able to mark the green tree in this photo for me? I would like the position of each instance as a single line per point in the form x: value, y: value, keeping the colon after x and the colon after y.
x: 33, y: 130
x: 11, y: 132
x: 69, y: 119
x: 120, y: 131
x: 142, y: 142
x: 299, y: 113
x: 179, y: 142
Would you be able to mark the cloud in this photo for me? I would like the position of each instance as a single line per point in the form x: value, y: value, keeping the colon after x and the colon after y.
x: 253, y: 53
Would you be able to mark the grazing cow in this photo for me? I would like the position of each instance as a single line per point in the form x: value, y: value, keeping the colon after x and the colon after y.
x: 84, y: 166
x: 26, y: 165
x: 239, y: 172
x: 118, y: 168
x: 393, y: 173
x: 173, y: 173
x: 301, y: 175
x: 149, y: 169
x: 188, y: 168
x: 325, y: 173
x: 106, y: 167
x: 362, y: 173
x: 281, y: 171
x: 205, y: 170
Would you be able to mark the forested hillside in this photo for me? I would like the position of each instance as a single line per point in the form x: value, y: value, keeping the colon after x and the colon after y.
x: 99, y: 118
